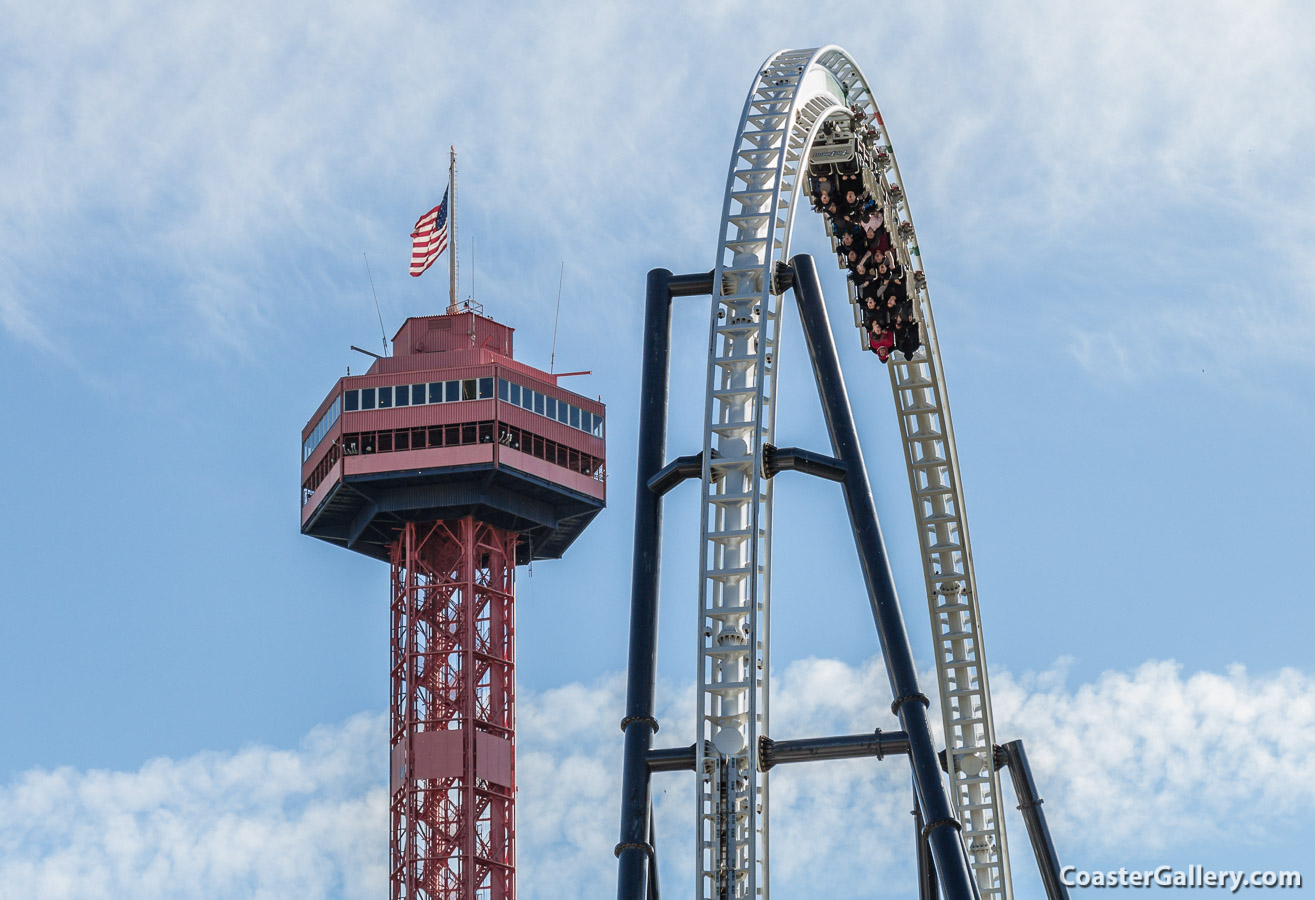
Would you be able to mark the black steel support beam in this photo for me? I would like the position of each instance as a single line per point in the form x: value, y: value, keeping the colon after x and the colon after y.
x: 793, y: 459
x: 678, y: 470
x: 926, y: 865
x: 697, y: 285
x: 672, y: 759
x: 634, y: 851
x: 845, y: 746
x: 1038, y: 832
x: 653, y: 892
x: 943, y: 830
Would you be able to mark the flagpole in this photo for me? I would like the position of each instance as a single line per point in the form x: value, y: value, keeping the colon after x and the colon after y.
x: 452, y: 227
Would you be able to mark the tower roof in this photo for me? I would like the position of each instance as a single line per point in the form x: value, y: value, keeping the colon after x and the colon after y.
x: 467, y: 330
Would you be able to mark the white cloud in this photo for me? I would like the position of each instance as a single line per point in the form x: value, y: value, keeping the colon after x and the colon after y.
x: 227, y: 151
x: 1074, y: 106
x: 1148, y: 759
x: 1151, y: 757
x: 273, y: 144
x: 257, y: 823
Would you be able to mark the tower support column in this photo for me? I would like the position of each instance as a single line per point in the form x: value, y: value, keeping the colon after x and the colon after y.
x: 452, y: 773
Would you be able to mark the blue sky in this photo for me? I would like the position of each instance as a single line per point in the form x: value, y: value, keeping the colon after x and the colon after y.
x: 1114, y: 206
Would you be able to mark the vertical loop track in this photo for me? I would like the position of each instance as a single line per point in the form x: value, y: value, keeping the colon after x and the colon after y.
x: 792, y: 96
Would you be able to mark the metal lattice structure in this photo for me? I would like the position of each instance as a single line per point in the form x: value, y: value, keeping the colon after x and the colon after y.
x: 453, y: 711
x: 794, y: 93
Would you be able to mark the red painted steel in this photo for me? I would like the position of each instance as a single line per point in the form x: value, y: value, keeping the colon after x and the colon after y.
x: 432, y: 457
x: 311, y: 503
x: 453, y: 774
x: 464, y: 330
x: 536, y: 380
x: 585, y: 484
x: 453, y: 366
x: 550, y: 429
x: 330, y: 439
x: 321, y: 410
x: 453, y: 712
x: 417, y: 416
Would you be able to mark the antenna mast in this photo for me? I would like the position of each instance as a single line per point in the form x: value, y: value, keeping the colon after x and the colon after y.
x: 552, y: 360
x: 383, y: 334
x: 452, y: 226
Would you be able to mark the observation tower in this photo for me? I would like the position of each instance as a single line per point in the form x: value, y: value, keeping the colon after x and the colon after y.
x: 453, y: 463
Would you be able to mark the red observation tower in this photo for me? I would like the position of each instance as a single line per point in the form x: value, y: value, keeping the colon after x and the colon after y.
x: 453, y: 463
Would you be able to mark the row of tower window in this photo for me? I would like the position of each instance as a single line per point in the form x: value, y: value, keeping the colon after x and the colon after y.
x: 319, y: 431
x: 394, y: 396
x: 393, y: 439
x: 417, y: 394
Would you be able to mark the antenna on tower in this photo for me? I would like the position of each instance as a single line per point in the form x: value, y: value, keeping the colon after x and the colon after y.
x: 552, y: 360
x: 452, y: 231
x: 383, y: 334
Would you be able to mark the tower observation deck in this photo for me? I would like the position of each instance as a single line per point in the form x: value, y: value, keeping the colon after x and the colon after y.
x: 454, y: 463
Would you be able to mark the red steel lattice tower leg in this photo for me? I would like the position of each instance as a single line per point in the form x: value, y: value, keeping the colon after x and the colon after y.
x: 453, y: 712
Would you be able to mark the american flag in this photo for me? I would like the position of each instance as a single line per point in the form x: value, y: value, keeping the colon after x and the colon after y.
x: 429, y: 239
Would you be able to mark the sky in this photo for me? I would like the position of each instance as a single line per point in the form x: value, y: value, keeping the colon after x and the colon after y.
x: 1114, y: 205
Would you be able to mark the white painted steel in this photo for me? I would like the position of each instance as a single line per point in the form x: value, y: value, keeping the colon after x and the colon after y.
x: 793, y: 94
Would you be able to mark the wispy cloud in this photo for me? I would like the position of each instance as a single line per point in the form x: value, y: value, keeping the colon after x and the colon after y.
x: 1151, y: 758
x: 220, y: 151
x: 258, y: 823
x: 275, y: 144
x: 1140, y: 169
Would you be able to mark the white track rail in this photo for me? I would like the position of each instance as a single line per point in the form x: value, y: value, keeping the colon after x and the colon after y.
x: 793, y: 94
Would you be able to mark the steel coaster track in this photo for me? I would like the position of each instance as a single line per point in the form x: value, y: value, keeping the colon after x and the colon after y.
x: 794, y: 93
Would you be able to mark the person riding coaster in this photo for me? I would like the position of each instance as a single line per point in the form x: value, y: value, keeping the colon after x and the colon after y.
x: 865, y: 248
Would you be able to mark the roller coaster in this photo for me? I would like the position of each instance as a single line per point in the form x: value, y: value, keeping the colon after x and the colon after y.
x: 809, y: 114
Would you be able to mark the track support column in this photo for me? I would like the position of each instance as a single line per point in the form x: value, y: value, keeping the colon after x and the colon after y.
x: 910, y: 703
x: 634, y: 851
x: 1029, y: 802
x: 926, y: 865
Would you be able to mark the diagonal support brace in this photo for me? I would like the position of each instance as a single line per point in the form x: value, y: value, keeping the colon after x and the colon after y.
x: 1029, y: 803
x: 793, y: 459
x: 680, y: 469
x: 947, y: 845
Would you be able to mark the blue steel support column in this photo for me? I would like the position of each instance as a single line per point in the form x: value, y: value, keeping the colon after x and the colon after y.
x: 910, y: 703
x: 639, y: 724
x: 1047, y: 860
x: 926, y: 865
